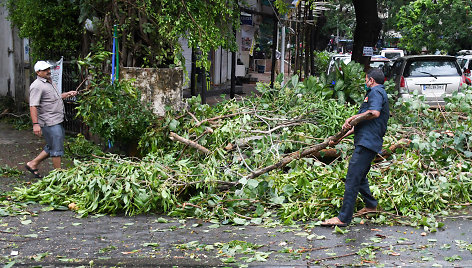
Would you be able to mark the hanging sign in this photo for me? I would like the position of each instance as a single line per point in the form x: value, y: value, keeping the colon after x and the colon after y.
x: 246, y: 20
x: 368, y: 51
x: 56, y: 74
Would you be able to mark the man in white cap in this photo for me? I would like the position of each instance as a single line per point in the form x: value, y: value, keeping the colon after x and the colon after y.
x: 47, y: 114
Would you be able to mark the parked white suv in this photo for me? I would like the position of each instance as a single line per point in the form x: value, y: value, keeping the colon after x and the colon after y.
x: 465, y: 62
x: 335, y: 61
x: 392, y: 53
x: 433, y: 76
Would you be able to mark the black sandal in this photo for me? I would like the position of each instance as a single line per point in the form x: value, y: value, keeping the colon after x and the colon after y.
x: 34, y: 172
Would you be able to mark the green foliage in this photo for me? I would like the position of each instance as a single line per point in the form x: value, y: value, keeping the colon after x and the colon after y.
x: 321, y: 61
x: 205, y: 25
x: 148, y: 30
x: 345, y: 83
x: 434, y: 24
x: 6, y: 171
x: 115, y: 112
x: 50, y: 25
x: 108, y: 185
x: 340, y: 19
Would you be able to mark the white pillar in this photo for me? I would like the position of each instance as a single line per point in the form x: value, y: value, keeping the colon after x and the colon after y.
x: 282, y: 53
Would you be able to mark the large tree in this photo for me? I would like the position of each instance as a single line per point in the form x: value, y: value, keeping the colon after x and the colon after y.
x: 443, y: 25
x: 368, y: 26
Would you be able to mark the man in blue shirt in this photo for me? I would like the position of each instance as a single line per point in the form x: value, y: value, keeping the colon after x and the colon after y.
x: 368, y: 139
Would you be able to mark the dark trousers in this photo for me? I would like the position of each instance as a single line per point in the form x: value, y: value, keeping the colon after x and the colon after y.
x: 356, y: 182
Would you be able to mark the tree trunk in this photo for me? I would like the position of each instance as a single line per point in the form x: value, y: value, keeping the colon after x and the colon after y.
x: 368, y: 26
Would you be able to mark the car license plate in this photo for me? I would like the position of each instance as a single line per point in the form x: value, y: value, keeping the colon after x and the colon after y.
x: 434, y: 88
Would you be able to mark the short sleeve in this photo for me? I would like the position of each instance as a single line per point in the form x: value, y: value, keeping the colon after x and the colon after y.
x: 35, y: 96
x: 376, y: 101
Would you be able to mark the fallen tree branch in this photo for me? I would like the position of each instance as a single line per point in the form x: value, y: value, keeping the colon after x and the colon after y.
x: 4, y: 112
x: 403, y: 143
x: 194, y: 117
x: 207, y: 130
x: 174, y: 136
x: 297, y: 155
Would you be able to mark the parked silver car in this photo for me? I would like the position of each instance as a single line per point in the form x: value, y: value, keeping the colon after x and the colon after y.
x: 433, y: 76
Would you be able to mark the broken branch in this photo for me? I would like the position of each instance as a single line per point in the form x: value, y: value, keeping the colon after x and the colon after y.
x: 174, y: 136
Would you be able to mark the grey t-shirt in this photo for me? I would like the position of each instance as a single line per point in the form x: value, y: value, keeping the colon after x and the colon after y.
x: 48, y: 102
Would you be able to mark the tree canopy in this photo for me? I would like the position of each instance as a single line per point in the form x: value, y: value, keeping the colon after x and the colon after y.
x: 435, y: 25
x: 149, y: 30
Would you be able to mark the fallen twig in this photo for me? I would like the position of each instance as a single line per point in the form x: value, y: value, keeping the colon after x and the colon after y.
x: 4, y: 112
x: 194, y: 117
x: 267, y: 132
x: 303, y: 250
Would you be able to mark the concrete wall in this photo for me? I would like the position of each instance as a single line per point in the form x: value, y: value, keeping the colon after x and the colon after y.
x: 161, y: 87
x: 7, y: 74
x: 14, y: 76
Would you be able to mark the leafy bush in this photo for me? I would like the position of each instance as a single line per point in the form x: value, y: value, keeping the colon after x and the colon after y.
x: 115, y: 112
x: 52, y: 25
x: 321, y: 61
x: 346, y: 83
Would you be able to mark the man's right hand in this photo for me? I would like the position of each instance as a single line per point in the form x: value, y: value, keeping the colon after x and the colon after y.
x: 332, y: 142
x: 37, y: 130
x: 347, y: 125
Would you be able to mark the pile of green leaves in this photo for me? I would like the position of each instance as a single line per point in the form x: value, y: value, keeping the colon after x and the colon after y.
x: 418, y: 182
x: 80, y: 148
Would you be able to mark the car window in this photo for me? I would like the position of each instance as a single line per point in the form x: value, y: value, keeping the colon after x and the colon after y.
x: 461, y: 62
x: 433, y: 67
x: 377, y: 64
x: 391, y: 55
x: 395, y: 70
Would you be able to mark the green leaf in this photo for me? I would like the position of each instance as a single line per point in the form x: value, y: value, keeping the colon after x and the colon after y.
x: 162, y: 220
x: 9, y: 265
x: 239, y: 221
x: 155, y: 245
x: 252, y: 183
x: 173, y: 125
x: 339, y: 230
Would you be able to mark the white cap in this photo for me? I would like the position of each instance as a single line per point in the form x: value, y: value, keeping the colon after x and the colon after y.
x: 41, y: 65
